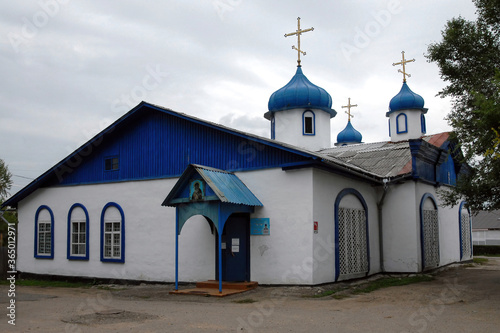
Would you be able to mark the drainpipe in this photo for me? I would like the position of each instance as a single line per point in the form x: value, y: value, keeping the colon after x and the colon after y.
x: 380, y: 205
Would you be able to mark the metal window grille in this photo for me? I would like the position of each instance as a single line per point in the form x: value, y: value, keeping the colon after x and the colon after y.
x: 353, y: 253
x: 431, y: 238
x: 465, y: 229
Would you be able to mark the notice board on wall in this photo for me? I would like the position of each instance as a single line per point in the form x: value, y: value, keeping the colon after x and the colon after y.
x: 260, y: 226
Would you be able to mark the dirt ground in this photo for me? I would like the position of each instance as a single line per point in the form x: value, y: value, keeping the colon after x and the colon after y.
x: 462, y: 298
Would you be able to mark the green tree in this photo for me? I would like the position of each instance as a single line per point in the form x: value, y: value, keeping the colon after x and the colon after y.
x: 5, y: 180
x: 469, y: 61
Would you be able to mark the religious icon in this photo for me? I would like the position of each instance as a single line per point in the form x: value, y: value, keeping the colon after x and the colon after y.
x: 196, y: 190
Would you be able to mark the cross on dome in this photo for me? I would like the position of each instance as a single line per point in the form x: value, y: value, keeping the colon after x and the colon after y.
x: 349, y: 106
x: 403, y: 63
x: 298, y: 32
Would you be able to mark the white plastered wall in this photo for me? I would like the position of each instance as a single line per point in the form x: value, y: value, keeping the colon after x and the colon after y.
x: 288, y: 129
x: 283, y: 256
x: 413, y: 125
x: 449, y: 227
x: 150, y: 231
x: 149, y: 234
x: 401, y: 230
x: 402, y: 235
x: 327, y: 186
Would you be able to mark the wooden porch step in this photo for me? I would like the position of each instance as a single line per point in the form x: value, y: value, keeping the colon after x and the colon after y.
x: 227, y: 285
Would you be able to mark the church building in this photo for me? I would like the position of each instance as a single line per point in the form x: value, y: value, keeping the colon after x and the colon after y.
x: 164, y: 196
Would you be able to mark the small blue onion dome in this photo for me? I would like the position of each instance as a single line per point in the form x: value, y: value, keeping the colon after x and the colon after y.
x: 349, y: 135
x: 406, y: 99
x: 300, y: 93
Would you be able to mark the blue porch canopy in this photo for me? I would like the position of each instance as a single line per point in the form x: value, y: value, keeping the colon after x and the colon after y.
x: 212, y: 193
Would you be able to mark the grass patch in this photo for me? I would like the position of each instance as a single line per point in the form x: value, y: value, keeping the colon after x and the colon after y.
x: 368, y: 287
x: 480, y: 261
x: 245, y: 301
x: 391, y: 282
x: 48, y: 283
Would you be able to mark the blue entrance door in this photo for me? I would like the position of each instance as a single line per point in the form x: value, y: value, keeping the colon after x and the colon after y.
x: 235, y: 249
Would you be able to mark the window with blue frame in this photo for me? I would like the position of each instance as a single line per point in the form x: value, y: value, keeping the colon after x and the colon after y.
x: 112, y: 233
x: 422, y: 123
x: 273, y: 128
x: 44, y: 233
x: 308, y: 123
x: 78, y: 231
x: 111, y: 163
x: 401, y: 123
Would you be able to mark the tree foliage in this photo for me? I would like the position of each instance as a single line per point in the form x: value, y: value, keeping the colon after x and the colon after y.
x: 5, y: 180
x: 469, y: 61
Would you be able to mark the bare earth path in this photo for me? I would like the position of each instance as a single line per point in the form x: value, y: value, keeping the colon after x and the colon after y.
x: 460, y: 299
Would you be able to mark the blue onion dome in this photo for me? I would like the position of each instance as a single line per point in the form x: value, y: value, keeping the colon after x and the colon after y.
x: 406, y: 99
x: 349, y: 135
x: 300, y: 93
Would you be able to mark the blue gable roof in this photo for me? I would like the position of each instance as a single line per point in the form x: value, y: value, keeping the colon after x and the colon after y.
x: 152, y: 142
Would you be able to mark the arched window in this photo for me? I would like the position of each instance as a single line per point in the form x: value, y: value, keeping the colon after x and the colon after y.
x: 401, y: 123
x: 308, y: 123
x: 112, y: 233
x: 273, y: 128
x: 422, y: 123
x: 429, y: 232
x: 44, y: 233
x: 78, y: 233
x: 351, y: 235
x: 464, y: 221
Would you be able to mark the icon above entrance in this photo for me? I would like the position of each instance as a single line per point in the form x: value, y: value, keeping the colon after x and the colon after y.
x: 222, y: 198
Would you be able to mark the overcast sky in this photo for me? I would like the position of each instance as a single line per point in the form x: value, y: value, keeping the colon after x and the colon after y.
x: 70, y: 68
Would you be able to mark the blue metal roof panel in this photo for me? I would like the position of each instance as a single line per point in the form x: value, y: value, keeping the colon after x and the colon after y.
x: 227, y: 186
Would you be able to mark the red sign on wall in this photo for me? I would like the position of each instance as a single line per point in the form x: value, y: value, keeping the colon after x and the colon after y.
x: 315, y: 227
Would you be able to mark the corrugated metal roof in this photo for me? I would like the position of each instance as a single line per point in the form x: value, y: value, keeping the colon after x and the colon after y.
x: 437, y: 139
x: 227, y: 186
x: 384, y: 159
x: 486, y: 220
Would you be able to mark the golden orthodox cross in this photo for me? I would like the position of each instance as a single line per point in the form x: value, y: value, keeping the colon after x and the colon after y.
x: 403, y: 62
x: 298, y: 33
x: 349, y: 106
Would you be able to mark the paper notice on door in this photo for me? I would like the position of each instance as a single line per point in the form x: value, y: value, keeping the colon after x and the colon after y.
x: 235, y: 241
x: 223, y: 246
x: 235, y: 248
